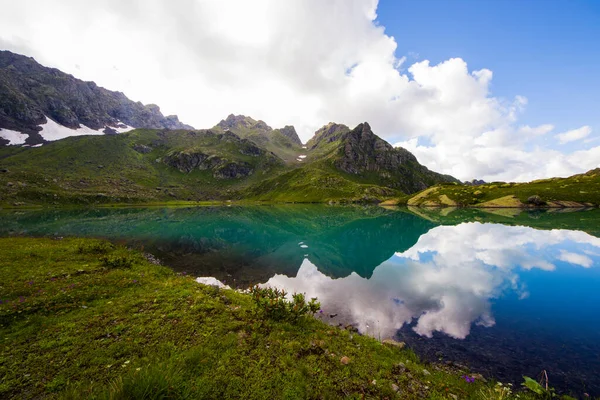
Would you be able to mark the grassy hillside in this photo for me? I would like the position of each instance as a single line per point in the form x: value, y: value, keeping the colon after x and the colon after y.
x: 317, y: 182
x: 576, y: 191
x: 140, y: 166
x: 85, y: 319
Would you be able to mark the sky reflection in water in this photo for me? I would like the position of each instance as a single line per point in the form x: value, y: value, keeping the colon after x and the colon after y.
x: 449, y: 279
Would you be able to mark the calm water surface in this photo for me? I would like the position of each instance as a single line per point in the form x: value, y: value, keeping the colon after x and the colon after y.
x: 507, y: 293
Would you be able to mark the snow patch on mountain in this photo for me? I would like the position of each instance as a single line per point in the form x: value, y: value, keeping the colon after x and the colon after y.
x: 13, y: 137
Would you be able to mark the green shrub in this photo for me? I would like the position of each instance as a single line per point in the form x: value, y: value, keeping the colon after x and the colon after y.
x: 273, y: 303
x: 116, y: 261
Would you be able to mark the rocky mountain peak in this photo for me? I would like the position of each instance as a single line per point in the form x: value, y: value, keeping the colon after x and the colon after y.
x: 327, y: 134
x: 241, y: 121
x: 290, y: 132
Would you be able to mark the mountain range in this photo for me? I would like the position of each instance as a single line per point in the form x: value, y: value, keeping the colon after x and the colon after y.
x: 66, y: 141
x: 100, y: 157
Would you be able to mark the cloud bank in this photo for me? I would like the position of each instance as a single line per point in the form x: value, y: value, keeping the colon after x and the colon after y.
x: 300, y: 62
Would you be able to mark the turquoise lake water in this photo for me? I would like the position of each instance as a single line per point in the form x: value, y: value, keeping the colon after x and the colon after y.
x: 505, y: 292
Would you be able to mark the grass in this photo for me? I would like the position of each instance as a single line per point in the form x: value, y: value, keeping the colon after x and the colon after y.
x: 316, y: 184
x: 107, y: 169
x: 576, y: 191
x: 74, y: 326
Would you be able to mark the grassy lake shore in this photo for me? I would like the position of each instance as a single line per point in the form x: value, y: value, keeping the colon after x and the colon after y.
x: 82, y: 318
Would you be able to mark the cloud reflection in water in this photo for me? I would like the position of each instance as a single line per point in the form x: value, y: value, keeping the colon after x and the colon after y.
x: 447, y: 280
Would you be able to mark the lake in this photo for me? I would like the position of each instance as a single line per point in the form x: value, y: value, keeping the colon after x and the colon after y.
x: 506, y: 292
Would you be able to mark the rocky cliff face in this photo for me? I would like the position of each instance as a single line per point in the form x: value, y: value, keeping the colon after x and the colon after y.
x: 361, y: 153
x: 30, y: 93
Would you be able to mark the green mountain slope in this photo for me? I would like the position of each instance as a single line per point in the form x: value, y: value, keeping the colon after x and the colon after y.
x: 139, y: 166
x: 581, y: 190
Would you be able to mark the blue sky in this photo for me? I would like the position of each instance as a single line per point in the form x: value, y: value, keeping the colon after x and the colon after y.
x: 547, y: 51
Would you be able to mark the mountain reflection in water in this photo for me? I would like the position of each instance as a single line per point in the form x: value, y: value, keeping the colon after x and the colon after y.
x: 509, y: 293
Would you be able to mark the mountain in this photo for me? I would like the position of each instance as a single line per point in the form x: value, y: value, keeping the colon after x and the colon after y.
x: 364, y: 155
x: 39, y: 104
x: 283, y: 142
x: 149, y: 165
x: 144, y: 165
x: 343, y: 164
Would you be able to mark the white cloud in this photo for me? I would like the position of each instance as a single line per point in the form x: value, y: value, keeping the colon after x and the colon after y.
x: 300, y: 62
x: 574, y: 258
x: 573, y: 135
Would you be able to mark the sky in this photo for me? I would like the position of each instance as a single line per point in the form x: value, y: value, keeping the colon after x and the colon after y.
x: 494, y: 90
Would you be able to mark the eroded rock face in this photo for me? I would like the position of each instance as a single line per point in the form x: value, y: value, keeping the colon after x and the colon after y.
x: 364, y: 151
x: 221, y: 168
x: 232, y: 170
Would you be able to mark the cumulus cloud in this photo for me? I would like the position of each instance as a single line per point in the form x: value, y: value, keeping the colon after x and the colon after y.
x: 573, y: 135
x: 446, y: 281
x: 300, y: 62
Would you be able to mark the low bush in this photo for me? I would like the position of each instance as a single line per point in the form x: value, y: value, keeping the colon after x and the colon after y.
x: 117, y: 261
x: 275, y: 305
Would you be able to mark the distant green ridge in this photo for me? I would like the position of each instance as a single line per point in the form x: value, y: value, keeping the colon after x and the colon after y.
x: 582, y: 190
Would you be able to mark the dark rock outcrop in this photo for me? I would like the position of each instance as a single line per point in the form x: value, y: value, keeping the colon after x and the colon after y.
x: 221, y: 167
x: 30, y: 92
